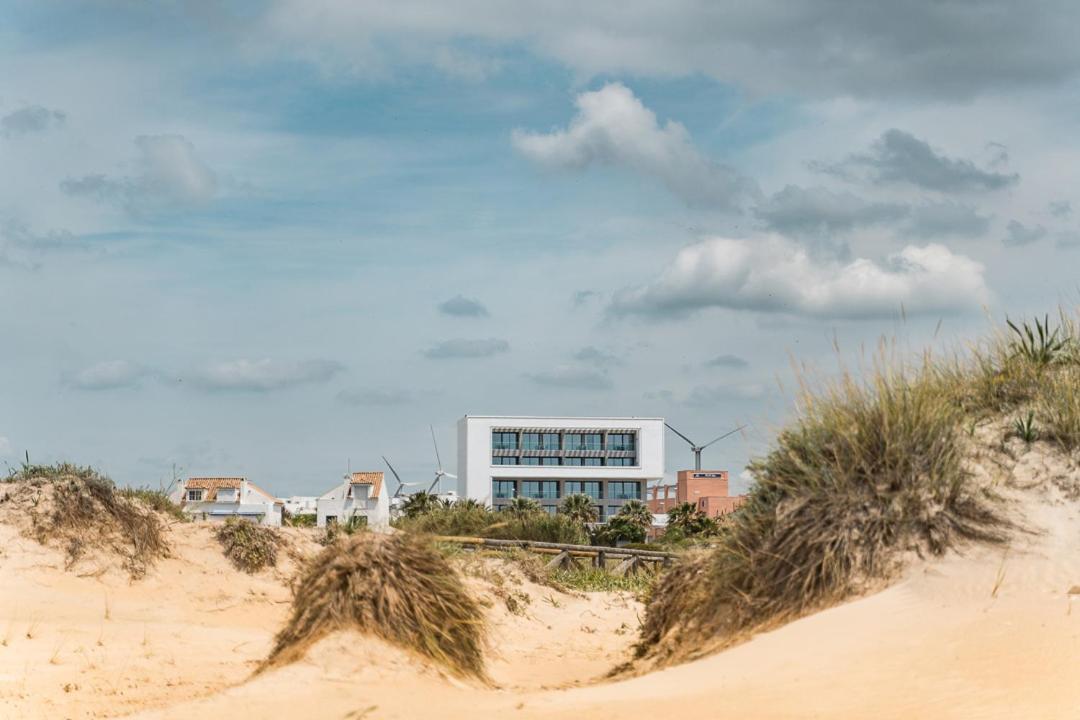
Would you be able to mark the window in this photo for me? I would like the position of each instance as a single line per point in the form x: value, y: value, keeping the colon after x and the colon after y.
x: 593, y: 461
x: 540, y: 489
x: 620, y: 441
x: 571, y: 461
x: 624, y: 490
x: 504, y: 461
x: 530, y: 441
x: 550, y: 441
x: 503, y: 489
x: 530, y: 461
x: 504, y: 441
x: 331, y: 519
x: 583, y: 441
x: 582, y: 487
x: 549, y: 461
x: 622, y: 461
x: 194, y: 495
x: 599, y: 511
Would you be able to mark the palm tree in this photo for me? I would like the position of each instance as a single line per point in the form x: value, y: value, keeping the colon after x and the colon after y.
x: 420, y: 503
x: 523, y: 507
x: 468, y: 504
x: 687, y: 519
x: 637, y: 513
x: 579, y: 508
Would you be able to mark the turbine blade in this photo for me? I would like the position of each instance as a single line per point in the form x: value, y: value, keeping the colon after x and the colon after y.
x: 727, y: 434
x: 680, y: 435
x: 437, y: 458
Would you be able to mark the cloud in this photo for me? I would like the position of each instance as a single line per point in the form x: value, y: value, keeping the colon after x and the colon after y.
x: 898, y: 157
x: 30, y: 119
x: 1060, y: 208
x: 109, y: 375
x: 460, y: 306
x: 463, y: 348
x: 583, y: 297
x: 600, y: 358
x: 1017, y: 234
x: 264, y: 375
x: 613, y: 128
x: 170, y: 176
x: 727, y: 361
x: 773, y: 274
x: 5, y: 446
x: 796, y: 211
x: 571, y: 377
x: 1068, y: 240
x: 709, y: 396
x: 933, y: 220
x: 376, y: 397
x: 836, y: 48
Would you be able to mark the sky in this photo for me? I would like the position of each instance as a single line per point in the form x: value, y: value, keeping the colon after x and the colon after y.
x: 280, y: 238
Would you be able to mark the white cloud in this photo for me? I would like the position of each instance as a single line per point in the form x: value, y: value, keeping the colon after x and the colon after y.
x: 171, y: 175
x: 614, y: 128
x: 109, y: 375
x: 772, y: 274
x: 265, y: 375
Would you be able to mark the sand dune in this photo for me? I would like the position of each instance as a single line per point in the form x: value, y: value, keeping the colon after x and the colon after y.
x: 986, y: 633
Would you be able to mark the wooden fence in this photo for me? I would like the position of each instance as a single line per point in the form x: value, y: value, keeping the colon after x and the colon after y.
x: 566, y: 555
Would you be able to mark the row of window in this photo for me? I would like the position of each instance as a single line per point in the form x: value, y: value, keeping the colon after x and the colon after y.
x: 576, y: 462
x: 562, y: 441
x: 549, y: 489
x: 602, y: 513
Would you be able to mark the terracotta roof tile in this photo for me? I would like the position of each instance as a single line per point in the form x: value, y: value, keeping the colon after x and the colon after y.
x: 373, y: 478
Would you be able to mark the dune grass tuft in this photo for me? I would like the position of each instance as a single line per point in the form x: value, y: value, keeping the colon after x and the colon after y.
x: 871, y: 469
x: 80, y: 509
x: 397, y: 587
x: 250, y: 547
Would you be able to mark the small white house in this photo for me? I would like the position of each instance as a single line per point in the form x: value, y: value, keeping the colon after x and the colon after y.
x: 218, y: 498
x: 300, y: 504
x: 362, y: 494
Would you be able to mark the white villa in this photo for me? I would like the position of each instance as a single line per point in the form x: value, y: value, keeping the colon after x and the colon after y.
x: 361, y: 494
x: 218, y: 498
x: 300, y: 504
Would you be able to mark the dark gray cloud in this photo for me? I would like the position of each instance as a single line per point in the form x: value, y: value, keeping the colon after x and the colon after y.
x: 171, y: 175
x: 461, y: 306
x: 597, y: 357
x: 727, y: 361
x: 109, y: 375
x: 582, y: 297
x: 901, y: 158
x: 947, y: 218
x: 459, y: 348
x: 263, y: 375
x: 376, y: 397
x: 802, y: 211
x: 1017, y: 234
x: 30, y: 119
x: 572, y: 377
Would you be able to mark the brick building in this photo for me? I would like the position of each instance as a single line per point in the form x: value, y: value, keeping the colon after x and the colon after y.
x: 707, y: 489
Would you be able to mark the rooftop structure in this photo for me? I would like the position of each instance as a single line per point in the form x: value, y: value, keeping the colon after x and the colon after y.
x: 218, y: 498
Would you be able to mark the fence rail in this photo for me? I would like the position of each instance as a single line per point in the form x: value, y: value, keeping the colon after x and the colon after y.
x: 566, y: 554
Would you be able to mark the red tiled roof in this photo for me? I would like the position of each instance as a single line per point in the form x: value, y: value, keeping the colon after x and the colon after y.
x: 373, y: 478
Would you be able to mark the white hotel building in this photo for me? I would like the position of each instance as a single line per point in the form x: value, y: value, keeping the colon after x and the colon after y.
x: 611, y: 460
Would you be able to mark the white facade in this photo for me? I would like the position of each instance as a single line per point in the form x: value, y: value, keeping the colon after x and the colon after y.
x: 300, y: 504
x: 216, y: 499
x: 495, y: 456
x: 360, y: 495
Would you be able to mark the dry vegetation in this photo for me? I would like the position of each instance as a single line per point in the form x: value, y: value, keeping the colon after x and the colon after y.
x: 250, y: 547
x: 397, y: 587
x: 79, y: 510
x: 871, y: 469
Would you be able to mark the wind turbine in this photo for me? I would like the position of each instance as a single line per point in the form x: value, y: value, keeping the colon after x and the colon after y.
x: 439, y: 472
x: 401, y: 484
x: 698, y: 448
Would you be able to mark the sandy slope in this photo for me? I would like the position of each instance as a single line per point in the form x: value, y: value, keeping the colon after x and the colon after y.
x: 992, y: 632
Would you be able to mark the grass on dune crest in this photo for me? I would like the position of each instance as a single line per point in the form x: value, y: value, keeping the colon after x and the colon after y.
x: 397, y: 587
x: 80, y: 509
x: 248, y: 546
x: 872, y: 467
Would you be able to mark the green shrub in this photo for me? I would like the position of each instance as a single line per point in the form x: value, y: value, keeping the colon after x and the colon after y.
x: 157, y: 500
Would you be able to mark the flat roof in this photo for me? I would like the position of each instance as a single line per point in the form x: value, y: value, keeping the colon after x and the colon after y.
x: 560, y: 417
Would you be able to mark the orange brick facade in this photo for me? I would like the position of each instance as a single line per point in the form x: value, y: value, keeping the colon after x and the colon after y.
x: 707, y: 489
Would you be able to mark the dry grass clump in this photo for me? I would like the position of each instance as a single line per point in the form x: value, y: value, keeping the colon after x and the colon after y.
x: 397, y: 587
x: 870, y: 470
x: 80, y: 509
x: 250, y: 547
